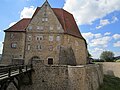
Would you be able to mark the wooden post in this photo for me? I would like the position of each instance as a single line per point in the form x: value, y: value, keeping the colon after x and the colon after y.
x: 20, y: 69
x: 26, y: 67
x: 9, y: 72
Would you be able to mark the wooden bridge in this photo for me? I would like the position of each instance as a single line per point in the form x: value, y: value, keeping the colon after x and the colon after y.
x: 18, y: 75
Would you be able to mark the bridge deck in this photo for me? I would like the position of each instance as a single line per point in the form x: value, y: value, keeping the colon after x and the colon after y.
x: 12, y: 71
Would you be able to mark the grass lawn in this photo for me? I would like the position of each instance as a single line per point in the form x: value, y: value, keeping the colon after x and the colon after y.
x: 110, y: 83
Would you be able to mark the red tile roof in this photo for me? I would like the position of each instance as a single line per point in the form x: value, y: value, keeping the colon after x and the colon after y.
x: 68, y: 22
x: 20, y: 25
x: 65, y: 18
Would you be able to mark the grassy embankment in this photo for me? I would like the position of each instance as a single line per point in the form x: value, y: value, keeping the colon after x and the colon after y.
x: 110, y: 83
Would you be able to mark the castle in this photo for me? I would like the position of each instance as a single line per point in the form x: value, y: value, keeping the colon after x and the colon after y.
x: 51, y: 35
x: 52, y: 42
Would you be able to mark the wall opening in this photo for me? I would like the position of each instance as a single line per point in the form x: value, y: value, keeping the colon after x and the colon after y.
x: 50, y: 61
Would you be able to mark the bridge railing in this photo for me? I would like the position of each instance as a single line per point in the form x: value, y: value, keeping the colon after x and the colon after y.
x: 6, y: 72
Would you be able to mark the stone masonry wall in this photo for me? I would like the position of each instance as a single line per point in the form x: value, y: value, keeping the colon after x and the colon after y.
x: 8, y: 52
x: 111, y: 68
x: 83, y: 77
x: 48, y: 77
x: 88, y: 77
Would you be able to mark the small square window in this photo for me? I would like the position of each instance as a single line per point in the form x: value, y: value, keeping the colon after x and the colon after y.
x: 58, y: 27
x: 50, y: 61
x: 50, y: 48
x: 50, y: 38
x: 13, y: 45
x: 43, y: 19
x: 51, y: 28
x: 46, y: 19
x: 30, y: 28
x: 58, y: 38
x: 58, y: 47
x: 41, y: 27
x: 29, y: 38
x: 38, y: 27
x: 45, y: 14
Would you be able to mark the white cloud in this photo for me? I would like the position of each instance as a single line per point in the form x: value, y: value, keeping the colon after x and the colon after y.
x: 88, y: 35
x: 116, y: 36
x: 11, y: 24
x: 103, y: 23
x: 107, y: 33
x: 96, y: 52
x: 97, y: 39
x: 103, y: 41
x: 97, y: 42
x: 117, y: 44
x: 114, y: 19
x: 27, y: 12
x: 87, y: 11
x: 106, y: 22
x: 98, y: 35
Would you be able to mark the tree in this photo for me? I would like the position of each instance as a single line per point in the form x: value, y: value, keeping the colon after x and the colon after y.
x: 107, y: 56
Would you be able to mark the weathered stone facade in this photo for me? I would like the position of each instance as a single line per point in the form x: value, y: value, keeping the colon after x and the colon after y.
x: 64, y: 77
x: 52, y: 42
x: 9, y: 51
x: 45, y: 35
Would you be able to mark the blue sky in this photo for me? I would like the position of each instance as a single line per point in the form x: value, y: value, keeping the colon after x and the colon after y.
x: 98, y: 20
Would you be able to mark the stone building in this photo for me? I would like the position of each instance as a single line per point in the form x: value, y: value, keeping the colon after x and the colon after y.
x: 52, y: 42
x: 51, y: 35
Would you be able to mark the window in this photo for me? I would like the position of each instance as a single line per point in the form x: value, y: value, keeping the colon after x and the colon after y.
x: 11, y: 35
x: 44, y: 19
x: 39, y: 47
x: 50, y: 61
x: 58, y: 38
x: 51, y: 28
x: 50, y: 38
x: 13, y: 45
x: 50, y: 48
x: 58, y: 27
x: 39, y: 38
x: 39, y: 27
x: 28, y: 47
x: 29, y: 38
x: 30, y: 28
x: 58, y: 47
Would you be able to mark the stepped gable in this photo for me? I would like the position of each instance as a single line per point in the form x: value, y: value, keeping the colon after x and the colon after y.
x: 65, y: 18
x: 20, y: 26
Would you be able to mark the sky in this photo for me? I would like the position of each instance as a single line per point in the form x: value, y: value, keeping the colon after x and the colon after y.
x: 98, y: 20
